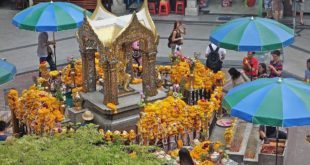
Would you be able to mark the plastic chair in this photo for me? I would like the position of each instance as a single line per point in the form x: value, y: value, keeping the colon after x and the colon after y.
x: 152, y: 7
x: 179, y: 7
x: 164, y: 8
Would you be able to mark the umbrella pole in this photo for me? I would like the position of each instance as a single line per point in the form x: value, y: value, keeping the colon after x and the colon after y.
x: 54, y: 48
x: 277, y: 140
x: 294, y: 16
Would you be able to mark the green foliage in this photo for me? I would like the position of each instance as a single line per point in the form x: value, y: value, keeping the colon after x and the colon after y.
x: 85, y: 146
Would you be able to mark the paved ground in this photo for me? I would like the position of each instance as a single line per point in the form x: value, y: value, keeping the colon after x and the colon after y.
x: 19, y: 47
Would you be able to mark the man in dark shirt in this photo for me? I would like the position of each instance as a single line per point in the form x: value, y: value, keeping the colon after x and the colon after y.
x: 2, y: 129
x: 266, y: 132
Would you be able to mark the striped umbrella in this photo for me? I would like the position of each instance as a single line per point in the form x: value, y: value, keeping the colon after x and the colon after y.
x: 252, y: 34
x: 7, y: 71
x: 271, y: 101
x: 50, y: 17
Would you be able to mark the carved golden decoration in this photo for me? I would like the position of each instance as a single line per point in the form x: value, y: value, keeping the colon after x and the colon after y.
x: 116, y: 56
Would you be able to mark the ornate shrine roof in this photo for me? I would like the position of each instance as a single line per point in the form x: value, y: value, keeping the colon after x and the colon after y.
x: 108, y: 26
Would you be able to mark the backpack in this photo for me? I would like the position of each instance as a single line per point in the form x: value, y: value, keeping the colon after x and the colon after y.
x: 170, y: 40
x: 213, y: 60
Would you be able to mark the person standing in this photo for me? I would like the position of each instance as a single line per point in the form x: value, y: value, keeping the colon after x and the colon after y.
x: 215, y: 56
x: 268, y: 9
x: 44, y: 51
x: 300, y: 8
x: 176, y: 37
x: 250, y: 65
x: 277, y: 8
x: 275, y: 65
x: 307, y: 71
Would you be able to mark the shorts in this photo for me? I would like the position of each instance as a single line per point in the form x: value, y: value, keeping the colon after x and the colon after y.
x: 299, y: 6
x: 175, y: 47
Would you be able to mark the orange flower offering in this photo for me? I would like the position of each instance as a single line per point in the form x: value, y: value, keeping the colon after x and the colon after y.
x: 68, y: 78
x: 112, y: 106
x: 136, y: 81
x: 37, y: 109
x: 203, y: 149
x: 201, y: 78
x: 54, y: 73
x: 172, y: 116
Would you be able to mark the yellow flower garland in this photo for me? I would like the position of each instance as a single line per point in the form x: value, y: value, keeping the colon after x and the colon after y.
x: 201, y: 78
x: 66, y: 76
x: 172, y: 116
x: 37, y: 109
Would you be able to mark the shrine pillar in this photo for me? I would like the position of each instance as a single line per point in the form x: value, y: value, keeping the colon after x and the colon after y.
x: 89, y: 70
x: 110, y: 82
x: 149, y: 74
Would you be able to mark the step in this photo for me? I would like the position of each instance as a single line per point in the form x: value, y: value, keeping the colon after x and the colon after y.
x: 238, y: 155
x: 252, y: 146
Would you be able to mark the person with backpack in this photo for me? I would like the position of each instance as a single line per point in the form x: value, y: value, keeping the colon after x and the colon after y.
x: 215, y: 55
x: 175, y: 40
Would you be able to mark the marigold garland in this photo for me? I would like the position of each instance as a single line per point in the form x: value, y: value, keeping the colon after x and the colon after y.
x: 203, y: 149
x: 172, y: 116
x: 200, y: 78
x: 78, y: 77
x: 229, y: 132
x: 112, y: 106
x: 54, y: 73
x: 37, y: 109
x: 12, y: 98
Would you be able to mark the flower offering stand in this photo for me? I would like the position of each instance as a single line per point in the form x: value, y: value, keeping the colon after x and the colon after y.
x: 252, y: 148
x: 267, y: 154
x: 239, y: 141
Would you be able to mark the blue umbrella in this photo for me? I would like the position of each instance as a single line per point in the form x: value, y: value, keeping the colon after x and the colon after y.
x: 274, y: 102
x: 50, y: 17
x: 252, y: 34
x: 271, y: 101
x: 7, y: 71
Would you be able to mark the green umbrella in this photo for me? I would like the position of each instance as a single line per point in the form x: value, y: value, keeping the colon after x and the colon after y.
x: 7, y: 71
x: 252, y: 34
x: 271, y: 101
x: 50, y: 17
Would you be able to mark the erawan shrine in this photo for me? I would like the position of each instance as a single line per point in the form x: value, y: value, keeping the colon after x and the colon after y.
x: 117, y: 104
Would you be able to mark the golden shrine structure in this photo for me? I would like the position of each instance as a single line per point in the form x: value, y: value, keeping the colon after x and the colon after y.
x: 112, y: 36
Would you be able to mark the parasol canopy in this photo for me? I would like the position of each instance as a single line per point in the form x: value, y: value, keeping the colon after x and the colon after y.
x: 50, y: 17
x: 7, y: 71
x: 252, y: 34
x: 271, y: 101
